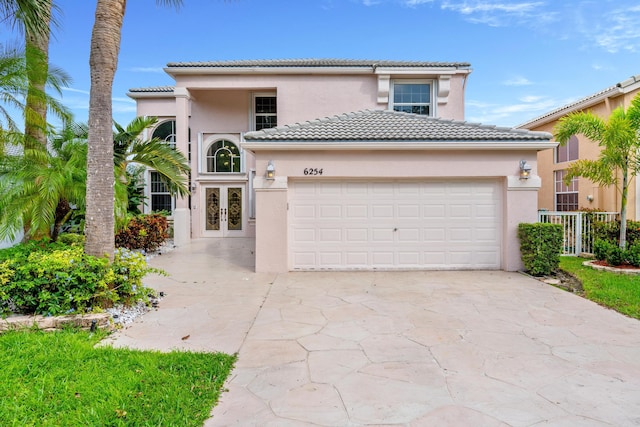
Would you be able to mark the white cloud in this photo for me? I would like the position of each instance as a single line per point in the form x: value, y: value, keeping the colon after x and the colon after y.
x: 412, y: 3
x: 498, y: 14
x: 70, y: 89
x: 511, y: 114
x: 619, y: 30
x: 126, y: 100
x: 517, y: 81
x: 147, y: 69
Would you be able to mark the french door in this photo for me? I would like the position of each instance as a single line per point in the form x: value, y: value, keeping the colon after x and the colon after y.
x: 224, y: 211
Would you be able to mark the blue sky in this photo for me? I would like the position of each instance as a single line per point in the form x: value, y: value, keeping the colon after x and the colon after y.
x: 528, y: 57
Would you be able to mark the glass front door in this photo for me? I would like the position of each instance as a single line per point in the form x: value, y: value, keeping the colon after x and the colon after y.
x: 224, y: 216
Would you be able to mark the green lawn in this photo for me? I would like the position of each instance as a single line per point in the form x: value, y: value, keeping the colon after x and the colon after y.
x: 61, y: 379
x: 620, y: 292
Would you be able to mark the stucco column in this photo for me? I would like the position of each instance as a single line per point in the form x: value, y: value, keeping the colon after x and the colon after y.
x: 272, y: 249
x: 521, y: 205
x: 181, y: 214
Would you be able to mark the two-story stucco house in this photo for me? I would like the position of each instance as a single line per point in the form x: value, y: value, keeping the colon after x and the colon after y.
x: 554, y: 194
x: 344, y: 164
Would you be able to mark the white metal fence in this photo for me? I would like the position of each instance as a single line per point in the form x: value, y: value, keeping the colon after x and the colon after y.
x: 577, y: 228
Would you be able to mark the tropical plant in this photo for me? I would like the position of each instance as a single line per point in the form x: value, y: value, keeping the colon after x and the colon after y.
x: 39, y: 189
x: 34, y: 19
x: 43, y: 188
x: 617, y: 163
x: 103, y: 62
x: 131, y: 150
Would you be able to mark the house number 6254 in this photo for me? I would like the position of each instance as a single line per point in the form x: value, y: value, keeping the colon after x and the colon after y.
x: 312, y: 171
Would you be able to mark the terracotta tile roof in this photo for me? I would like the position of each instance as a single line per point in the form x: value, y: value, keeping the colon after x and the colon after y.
x: 378, y: 125
x: 584, y: 102
x: 317, y: 63
x: 168, y: 89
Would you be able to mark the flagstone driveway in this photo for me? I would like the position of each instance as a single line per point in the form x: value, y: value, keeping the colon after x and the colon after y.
x: 423, y: 348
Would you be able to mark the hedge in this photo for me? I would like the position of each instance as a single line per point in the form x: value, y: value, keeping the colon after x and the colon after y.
x: 540, y: 247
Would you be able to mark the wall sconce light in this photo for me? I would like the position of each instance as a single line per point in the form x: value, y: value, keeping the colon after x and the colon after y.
x: 590, y: 198
x: 271, y: 171
x: 525, y: 169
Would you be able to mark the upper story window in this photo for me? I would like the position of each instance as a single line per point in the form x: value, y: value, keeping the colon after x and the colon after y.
x: 411, y: 97
x: 223, y: 156
x: 568, y: 151
x: 566, y: 195
x: 166, y: 131
x: 265, y: 111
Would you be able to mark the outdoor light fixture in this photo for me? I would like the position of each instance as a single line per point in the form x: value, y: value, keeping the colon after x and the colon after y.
x: 525, y: 169
x: 271, y: 171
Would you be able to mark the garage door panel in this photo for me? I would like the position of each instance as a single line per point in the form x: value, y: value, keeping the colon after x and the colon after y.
x: 305, y: 211
x: 382, y: 235
x: 357, y: 235
x: 409, y: 258
x: 434, y: 235
x: 357, y: 211
x: 357, y: 259
x: 383, y: 258
x: 436, y: 211
x: 409, y: 235
x: 331, y: 235
x: 330, y: 212
x: 331, y: 259
x: 382, y: 210
x: 304, y: 235
x: 409, y: 212
x: 460, y: 235
x: 395, y: 225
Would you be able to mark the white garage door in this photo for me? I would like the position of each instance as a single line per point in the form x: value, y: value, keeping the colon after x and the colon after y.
x: 394, y: 225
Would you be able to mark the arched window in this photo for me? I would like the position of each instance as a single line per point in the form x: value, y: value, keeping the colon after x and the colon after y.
x: 166, y: 131
x: 223, y: 156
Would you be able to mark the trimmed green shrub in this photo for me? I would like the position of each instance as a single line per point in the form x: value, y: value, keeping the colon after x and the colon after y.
x: 601, y: 248
x: 633, y: 255
x: 610, y: 232
x: 56, y: 279
x: 146, y: 232
x: 615, y: 255
x: 540, y: 247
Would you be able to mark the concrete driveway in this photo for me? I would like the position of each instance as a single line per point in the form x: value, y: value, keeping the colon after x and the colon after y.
x: 480, y: 348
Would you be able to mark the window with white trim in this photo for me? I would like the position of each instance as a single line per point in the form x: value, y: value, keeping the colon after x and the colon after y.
x: 566, y: 195
x: 166, y: 131
x: 568, y: 151
x: 161, y: 199
x: 223, y: 156
x: 411, y: 96
x: 265, y: 111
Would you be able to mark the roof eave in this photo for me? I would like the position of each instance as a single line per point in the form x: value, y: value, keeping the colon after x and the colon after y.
x: 398, y: 145
x: 142, y: 95
x: 196, y: 70
x: 576, y: 106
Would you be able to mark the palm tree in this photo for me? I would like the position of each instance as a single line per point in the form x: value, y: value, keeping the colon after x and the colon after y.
x: 103, y: 62
x: 37, y: 189
x: 34, y: 19
x: 617, y: 163
x: 14, y: 88
x: 130, y: 149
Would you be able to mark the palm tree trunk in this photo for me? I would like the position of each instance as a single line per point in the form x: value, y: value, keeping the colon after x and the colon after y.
x: 623, y: 208
x: 37, y: 58
x: 103, y: 62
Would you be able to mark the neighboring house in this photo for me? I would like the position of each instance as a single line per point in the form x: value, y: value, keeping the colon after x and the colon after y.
x: 344, y: 164
x: 555, y: 195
